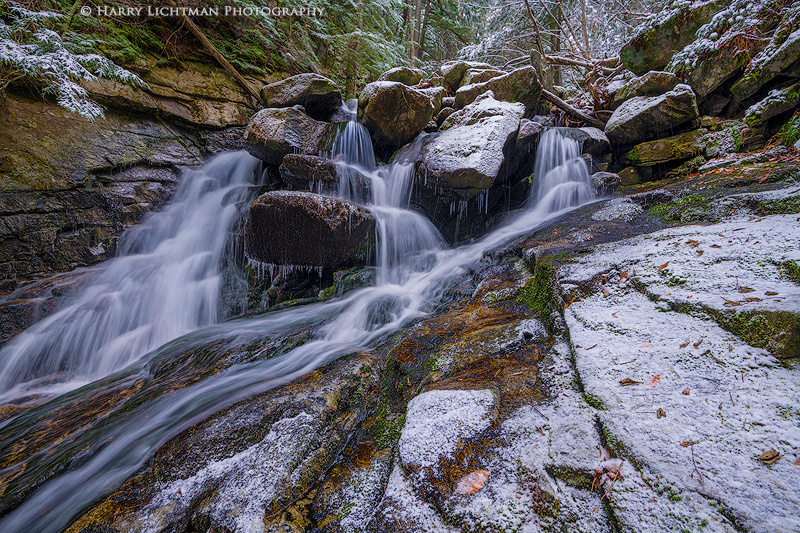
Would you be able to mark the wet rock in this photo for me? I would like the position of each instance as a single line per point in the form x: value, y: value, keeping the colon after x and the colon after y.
x: 393, y: 112
x: 642, y: 118
x: 604, y: 183
x: 453, y: 71
x: 654, y: 83
x: 522, y: 155
x: 776, y: 103
x: 678, y: 147
x: 772, y: 61
x: 273, y: 133
x: 301, y: 228
x: 592, y: 140
x: 480, y: 75
x: 618, y: 209
x: 448, y: 101
x: 305, y: 172
x: 319, y: 95
x: 521, y: 85
x: 653, y: 48
x: 651, y: 198
x: 226, y: 140
x: 405, y: 75
x: 468, y: 153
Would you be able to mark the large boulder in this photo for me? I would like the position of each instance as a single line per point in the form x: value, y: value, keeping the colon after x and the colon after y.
x: 393, y: 112
x: 653, y: 48
x: 520, y: 85
x: 776, y: 103
x: 480, y: 75
x: 468, y: 153
x: 273, y: 133
x: 453, y: 71
x: 303, y: 228
x: 307, y: 172
x: 713, y: 70
x: 436, y: 94
x: 773, y: 60
x: 677, y: 147
x: 405, y: 75
x: 319, y: 96
x: 653, y: 83
x: 643, y: 118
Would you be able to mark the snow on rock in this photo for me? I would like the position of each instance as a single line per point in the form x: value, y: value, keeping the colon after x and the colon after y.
x: 618, y: 209
x: 439, y: 421
x: 402, y: 510
x: 701, y: 405
x: 244, y: 484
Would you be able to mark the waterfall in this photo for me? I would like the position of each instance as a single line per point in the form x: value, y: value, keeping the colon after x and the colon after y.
x: 359, y: 321
x: 164, y: 283
x: 560, y: 176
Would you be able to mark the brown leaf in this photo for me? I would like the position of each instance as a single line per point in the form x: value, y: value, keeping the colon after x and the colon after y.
x: 769, y: 456
x: 771, y: 293
x: 731, y: 302
x: 686, y: 443
x: 685, y: 391
x: 716, y: 246
x: 660, y: 413
x: 606, y: 294
x: 662, y: 267
x: 655, y: 380
x: 699, y: 252
x: 745, y: 290
x: 693, y: 243
x: 698, y: 343
x: 685, y: 344
x: 752, y: 299
x: 472, y: 482
x: 628, y: 381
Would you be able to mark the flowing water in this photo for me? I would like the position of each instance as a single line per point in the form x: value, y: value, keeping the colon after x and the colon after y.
x: 408, y: 289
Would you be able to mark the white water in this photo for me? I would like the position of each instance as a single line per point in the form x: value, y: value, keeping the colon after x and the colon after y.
x: 560, y: 167
x: 164, y: 283
x: 410, y: 289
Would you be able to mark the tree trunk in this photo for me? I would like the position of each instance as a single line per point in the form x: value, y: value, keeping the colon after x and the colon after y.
x: 415, y: 34
x: 424, y: 29
x: 555, y: 41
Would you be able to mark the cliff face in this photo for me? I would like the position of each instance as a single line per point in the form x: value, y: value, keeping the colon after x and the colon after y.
x: 70, y: 187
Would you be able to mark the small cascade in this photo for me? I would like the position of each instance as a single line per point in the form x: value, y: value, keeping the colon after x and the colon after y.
x: 165, y: 282
x: 354, y: 147
x: 560, y: 176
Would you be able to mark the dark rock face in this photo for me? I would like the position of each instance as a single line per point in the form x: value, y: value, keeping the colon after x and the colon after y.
x: 604, y: 183
x: 317, y: 94
x: 643, y: 118
x: 301, y: 228
x: 652, y: 50
x: 405, y: 75
x: 772, y: 61
x: 520, y: 85
x: 393, y: 112
x: 298, y: 170
x: 273, y: 133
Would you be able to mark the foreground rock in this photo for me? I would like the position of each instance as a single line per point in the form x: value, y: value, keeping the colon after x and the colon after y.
x: 454, y: 71
x: 521, y: 85
x: 301, y: 228
x: 317, y: 94
x: 308, y: 172
x: 468, y: 153
x: 393, y: 112
x: 405, y: 75
x: 642, y: 118
x: 654, y: 83
x: 273, y: 133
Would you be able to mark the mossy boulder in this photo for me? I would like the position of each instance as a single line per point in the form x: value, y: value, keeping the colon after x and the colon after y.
x: 714, y: 70
x: 302, y: 228
x: 304, y: 172
x: 320, y: 96
x: 653, y: 83
x: 653, y: 47
x: 677, y: 147
x: 273, y: 133
x: 480, y: 75
x: 776, y: 103
x: 393, y: 112
x: 468, y: 153
x: 405, y: 75
x: 643, y: 118
x: 453, y: 71
x: 520, y: 85
x: 436, y: 94
x: 773, y: 60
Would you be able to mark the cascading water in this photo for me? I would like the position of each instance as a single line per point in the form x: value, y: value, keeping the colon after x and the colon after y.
x: 164, y: 283
x: 359, y: 321
x: 560, y: 176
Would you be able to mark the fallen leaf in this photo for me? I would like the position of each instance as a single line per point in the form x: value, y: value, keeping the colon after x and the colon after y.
x: 472, y: 482
x: 745, y: 290
x: 606, y: 294
x: 699, y: 252
x: 693, y: 243
x: 685, y: 391
x: 716, y: 246
x: 769, y: 456
x: 771, y: 293
x: 752, y: 299
x: 628, y: 381
x: 645, y: 346
x: 655, y: 380
x: 662, y: 267
x: 660, y: 413
x: 731, y: 302
x: 686, y: 443
x: 685, y: 344
x: 698, y: 343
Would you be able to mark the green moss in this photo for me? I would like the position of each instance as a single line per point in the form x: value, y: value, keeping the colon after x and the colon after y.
x: 674, y: 496
x: 784, y: 206
x: 537, y: 293
x: 775, y: 331
x: 789, y: 133
x: 791, y: 270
